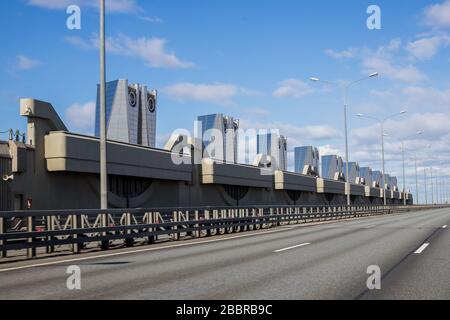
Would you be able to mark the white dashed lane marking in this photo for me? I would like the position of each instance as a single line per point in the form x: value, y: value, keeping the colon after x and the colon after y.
x: 293, y: 247
x: 422, y: 248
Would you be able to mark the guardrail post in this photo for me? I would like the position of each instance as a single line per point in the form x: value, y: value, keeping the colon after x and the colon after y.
x: 279, y: 219
x: 104, y: 224
x: 216, y: 217
x: 129, y: 242
x: 187, y: 213
x: 4, y: 253
x: 50, y: 227
x: 176, y: 236
x: 75, y: 246
x: 31, y: 252
x: 151, y: 220
x: 259, y: 214
x: 237, y: 215
x: 196, y: 217
x: 208, y: 224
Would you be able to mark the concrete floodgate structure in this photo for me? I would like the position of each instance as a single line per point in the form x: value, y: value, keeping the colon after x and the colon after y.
x: 56, y: 169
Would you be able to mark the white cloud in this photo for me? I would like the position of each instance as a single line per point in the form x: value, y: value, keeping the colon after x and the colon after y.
x: 26, y: 63
x: 80, y: 42
x: 116, y: 6
x: 250, y: 92
x: 81, y: 117
x: 432, y: 148
x: 216, y: 93
x: 152, y: 19
x: 434, y: 126
x: 382, y: 93
x: 292, y: 88
x: 328, y: 149
x: 345, y: 54
x: 297, y: 136
x: 426, y: 48
x: 152, y: 51
x: 255, y: 112
x: 384, y: 65
x: 385, y: 60
x: 426, y: 98
x: 438, y: 15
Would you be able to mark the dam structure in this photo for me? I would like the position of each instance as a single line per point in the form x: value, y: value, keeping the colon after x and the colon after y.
x: 53, y: 168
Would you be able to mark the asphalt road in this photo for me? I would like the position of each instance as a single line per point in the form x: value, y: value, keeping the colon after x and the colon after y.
x: 325, y: 261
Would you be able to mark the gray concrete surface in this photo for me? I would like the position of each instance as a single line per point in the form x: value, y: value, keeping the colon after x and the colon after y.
x: 324, y: 261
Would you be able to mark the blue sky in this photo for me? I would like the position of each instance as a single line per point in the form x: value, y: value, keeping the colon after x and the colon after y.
x: 249, y: 59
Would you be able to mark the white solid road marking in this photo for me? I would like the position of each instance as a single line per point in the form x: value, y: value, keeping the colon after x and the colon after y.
x: 370, y: 227
x: 422, y: 248
x: 108, y: 255
x: 444, y: 227
x: 293, y: 247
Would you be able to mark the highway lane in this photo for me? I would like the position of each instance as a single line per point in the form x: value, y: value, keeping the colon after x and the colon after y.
x: 423, y: 274
x: 325, y: 261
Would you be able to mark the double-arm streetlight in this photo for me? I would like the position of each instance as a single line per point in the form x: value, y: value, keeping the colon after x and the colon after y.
x: 345, y: 88
x: 382, y: 122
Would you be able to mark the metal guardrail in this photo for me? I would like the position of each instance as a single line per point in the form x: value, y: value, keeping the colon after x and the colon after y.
x: 51, y: 229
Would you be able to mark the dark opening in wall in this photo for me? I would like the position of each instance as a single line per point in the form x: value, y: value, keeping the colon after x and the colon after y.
x: 294, y: 195
x: 128, y: 187
x: 236, y: 192
x: 329, y: 197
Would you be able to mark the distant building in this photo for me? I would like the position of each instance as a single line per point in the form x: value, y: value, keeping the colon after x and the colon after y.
x: 353, y: 174
x: 366, y: 176
x: 388, y: 182
x: 306, y: 160
x: 393, y: 183
x: 274, y: 145
x: 224, y: 128
x: 377, y: 179
x: 332, y: 168
x: 130, y: 113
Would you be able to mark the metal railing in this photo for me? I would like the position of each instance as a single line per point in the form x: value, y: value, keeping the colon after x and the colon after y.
x: 76, y: 228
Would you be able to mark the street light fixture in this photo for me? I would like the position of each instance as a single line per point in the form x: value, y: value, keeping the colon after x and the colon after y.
x: 382, y: 122
x: 345, y: 89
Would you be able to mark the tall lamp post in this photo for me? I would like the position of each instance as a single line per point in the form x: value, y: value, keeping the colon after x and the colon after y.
x: 436, y: 180
x: 416, y: 176
x: 103, y: 133
x: 432, y: 186
x: 103, y: 163
x: 425, y: 185
x: 345, y: 89
x: 403, y: 160
x: 382, y: 122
